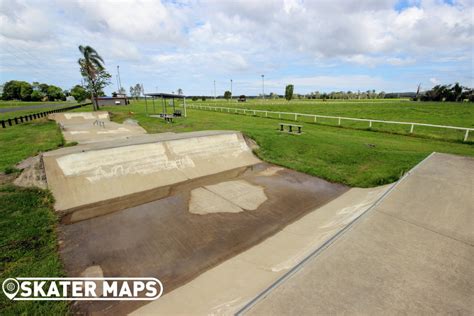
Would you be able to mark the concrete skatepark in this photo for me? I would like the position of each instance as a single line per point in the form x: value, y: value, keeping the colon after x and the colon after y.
x: 227, y: 233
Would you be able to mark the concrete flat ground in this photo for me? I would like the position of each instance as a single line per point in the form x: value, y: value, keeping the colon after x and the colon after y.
x: 84, y: 127
x: 411, y: 254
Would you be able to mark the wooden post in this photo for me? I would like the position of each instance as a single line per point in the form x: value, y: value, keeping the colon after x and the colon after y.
x: 412, y: 127
x: 339, y: 122
x: 370, y: 124
x: 466, y: 135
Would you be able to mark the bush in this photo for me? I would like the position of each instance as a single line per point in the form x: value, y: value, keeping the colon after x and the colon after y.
x: 10, y: 170
x: 195, y: 98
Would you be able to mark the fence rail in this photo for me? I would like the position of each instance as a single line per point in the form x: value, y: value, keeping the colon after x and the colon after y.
x: 339, y: 119
x: 30, y: 117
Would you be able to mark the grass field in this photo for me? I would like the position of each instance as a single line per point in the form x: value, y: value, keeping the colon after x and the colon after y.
x: 22, y: 141
x: 357, y: 157
x: 440, y: 113
x: 447, y: 113
x: 350, y: 156
x: 28, y: 246
x: 14, y: 104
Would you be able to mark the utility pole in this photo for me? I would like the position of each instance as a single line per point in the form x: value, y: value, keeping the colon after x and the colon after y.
x: 118, y: 78
x: 214, y: 90
x: 231, y: 89
x: 263, y: 87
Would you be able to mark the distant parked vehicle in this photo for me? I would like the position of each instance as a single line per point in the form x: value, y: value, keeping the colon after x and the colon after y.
x: 242, y: 98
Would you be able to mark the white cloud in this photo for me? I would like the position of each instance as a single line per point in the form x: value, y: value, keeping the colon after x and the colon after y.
x: 20, y: 20
x: 434, y: 81
x: 208, y: 39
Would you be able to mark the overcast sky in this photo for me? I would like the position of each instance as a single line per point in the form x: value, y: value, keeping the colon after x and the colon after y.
x: 318, y: 45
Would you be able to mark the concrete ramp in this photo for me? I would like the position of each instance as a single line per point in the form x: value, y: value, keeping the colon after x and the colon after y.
x: 85, y: 180
x: 411, y: 254
x: 86, y: 127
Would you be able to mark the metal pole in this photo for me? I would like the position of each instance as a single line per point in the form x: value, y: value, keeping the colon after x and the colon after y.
x: 154, y: 111
x: 118, y: 85
x: 214, y: 90
x: 120, y: 82
x: 231, y: 89
x: 263, y: 87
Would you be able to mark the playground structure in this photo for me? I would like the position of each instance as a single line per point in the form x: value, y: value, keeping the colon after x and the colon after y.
x: 165, y: 105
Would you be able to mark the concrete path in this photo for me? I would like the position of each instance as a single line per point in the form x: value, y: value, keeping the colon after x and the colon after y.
x: 411, y: 254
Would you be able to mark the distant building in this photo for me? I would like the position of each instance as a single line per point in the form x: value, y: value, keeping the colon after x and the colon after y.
x: 103, y: 101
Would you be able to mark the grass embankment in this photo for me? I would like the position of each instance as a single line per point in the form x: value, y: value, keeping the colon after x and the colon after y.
x: 28, y: 139
x: 28, y: 246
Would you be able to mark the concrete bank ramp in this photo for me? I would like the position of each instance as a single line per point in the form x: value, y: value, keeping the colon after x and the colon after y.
x: 411, y: 254
x: 86, y: 179
x: 86, y: 127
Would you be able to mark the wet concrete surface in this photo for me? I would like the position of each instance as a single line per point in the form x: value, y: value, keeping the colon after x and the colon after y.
x: 163, y: 239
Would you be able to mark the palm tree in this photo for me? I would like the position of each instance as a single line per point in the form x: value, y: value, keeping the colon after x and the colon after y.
x: 91, y: 63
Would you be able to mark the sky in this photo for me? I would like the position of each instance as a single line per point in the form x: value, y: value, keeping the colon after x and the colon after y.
x: 317, y: 45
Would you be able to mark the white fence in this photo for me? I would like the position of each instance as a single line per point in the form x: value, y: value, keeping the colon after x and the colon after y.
x: 316, y: 116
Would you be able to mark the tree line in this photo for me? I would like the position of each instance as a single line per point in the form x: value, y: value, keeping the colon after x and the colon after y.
x: 451, y: 92
x: 36, y: 91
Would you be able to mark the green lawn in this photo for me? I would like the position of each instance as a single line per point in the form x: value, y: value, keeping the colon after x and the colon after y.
x: 440, y: 113
x: 22, y: 141
x: 14, y: 104
x: 351, y: 156
x: 28, y: 246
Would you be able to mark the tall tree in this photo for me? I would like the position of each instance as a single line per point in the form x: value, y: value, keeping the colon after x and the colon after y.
x: 227, y: 95
x: 93, y: 71
x: 289, y: 92
x: 79, y: 93
x: 180, y: 91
